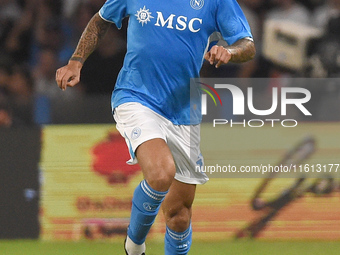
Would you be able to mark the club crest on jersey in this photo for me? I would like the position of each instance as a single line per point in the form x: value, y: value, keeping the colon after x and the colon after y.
x: 196, y: 4
x: 143, y: 15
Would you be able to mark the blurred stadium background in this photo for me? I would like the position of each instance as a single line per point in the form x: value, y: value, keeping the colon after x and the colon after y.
x: 63, y: 178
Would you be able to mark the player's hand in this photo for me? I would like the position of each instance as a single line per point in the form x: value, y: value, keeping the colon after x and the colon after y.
x: 218, y: 55
x: 69, y: 75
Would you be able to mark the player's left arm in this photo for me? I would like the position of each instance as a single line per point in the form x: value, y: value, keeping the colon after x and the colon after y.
x: 241, y: 51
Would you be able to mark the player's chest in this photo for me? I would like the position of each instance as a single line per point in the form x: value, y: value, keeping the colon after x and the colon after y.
x: 181, y: 15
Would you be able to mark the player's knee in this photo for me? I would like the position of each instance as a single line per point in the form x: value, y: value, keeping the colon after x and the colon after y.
x: 160, y: 181
x: 161, y: 175
x: 179, y: 221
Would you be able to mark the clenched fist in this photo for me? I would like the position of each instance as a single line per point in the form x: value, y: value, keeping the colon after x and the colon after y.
x: 218, y: 55
x: 69, y: 75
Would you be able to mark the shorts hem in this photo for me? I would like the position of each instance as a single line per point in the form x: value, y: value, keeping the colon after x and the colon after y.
x: 133, y: 161
x: 190, y: 180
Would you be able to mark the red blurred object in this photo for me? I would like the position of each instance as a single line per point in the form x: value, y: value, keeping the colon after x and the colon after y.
x: 109, y: 159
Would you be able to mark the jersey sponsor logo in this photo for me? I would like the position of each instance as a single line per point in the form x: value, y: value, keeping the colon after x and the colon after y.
x: 196, y: 4
x: 171, y: 22
x: 143, y: 16
x: 182, y: 22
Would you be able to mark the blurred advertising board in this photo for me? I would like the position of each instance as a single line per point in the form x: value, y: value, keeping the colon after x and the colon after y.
x: 87, y: 186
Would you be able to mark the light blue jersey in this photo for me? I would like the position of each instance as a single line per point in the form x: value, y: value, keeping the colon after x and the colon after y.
x: 165, y: 48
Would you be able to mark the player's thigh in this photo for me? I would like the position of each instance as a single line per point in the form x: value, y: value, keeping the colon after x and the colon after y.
x: 177, y: 205
x: 184, y: 143
x: 157, y: 164
x: 143, y: 130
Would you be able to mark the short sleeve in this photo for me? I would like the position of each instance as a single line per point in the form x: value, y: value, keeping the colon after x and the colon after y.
x: 114, y: 11
x: 231, y: 21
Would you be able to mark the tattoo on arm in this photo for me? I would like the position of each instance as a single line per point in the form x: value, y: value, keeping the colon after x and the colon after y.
x: 93, y: 33
x: 242, y: 51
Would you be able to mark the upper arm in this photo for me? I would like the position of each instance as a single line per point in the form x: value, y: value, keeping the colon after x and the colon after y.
x: 114, y: 11
x: 231, y: 21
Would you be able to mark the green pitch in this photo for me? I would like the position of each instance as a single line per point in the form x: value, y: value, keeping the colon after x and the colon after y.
x: 156, y: 248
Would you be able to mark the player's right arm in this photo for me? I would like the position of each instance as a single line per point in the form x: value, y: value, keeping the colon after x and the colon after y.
x: 69, y: 75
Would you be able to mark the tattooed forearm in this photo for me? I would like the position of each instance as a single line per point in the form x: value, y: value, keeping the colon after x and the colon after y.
x: 93, y: 33
x: 242, y: 51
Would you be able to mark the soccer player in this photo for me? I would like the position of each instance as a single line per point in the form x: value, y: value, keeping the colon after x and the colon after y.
x: 166, y: 45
